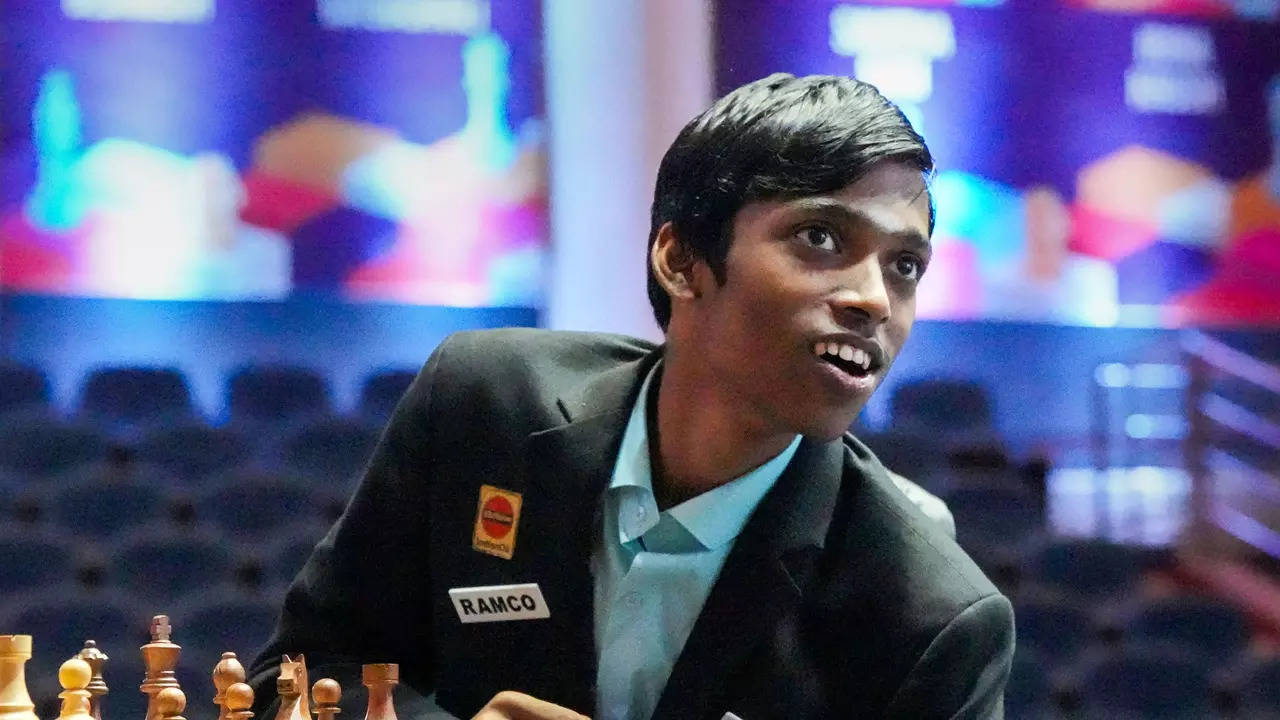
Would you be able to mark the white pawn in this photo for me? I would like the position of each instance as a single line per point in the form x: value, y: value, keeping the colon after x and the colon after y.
x: 74, y: 676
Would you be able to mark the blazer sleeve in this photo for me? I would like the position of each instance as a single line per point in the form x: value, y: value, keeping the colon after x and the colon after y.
x: 356, y: 601
x: 962, y: 673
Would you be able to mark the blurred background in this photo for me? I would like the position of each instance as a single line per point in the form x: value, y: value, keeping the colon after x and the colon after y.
x: 232, y: 231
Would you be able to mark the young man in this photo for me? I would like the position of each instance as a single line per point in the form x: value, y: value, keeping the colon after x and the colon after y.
x: 687, y: 529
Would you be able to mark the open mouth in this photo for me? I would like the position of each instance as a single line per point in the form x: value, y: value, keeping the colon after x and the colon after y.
x: 850, y: 360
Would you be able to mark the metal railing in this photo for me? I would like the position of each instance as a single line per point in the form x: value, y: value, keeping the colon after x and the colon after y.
x: 1232, y: 452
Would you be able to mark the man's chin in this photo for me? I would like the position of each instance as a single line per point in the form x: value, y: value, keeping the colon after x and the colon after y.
x: 832, y: 427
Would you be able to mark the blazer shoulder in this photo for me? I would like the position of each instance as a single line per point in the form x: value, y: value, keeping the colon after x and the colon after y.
x: 510, y: 378
x: 920, y: 527
x: 508, y: 348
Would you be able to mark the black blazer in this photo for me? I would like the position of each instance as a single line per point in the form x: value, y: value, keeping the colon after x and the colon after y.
x: 839, y: 599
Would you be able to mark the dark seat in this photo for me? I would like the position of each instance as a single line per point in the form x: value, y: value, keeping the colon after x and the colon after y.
x: 916, y: 456
x: 334, y: 450
x: 292, y: 548
x: 162, y: 566
x: 32, y: 560
x: 994, y: 513
x: 44, y: 447
x: 381, y: 391
x: 257, y: 504
x: 22, y: 388
x: 940, y: 405
x: 1092, y: 568
x: 136, y: 395
x: 276, y: 394
x: 1057, y: 627
x: 228, y: 622
x: 1028, y: 693
x: 1209, y: 628
x: 193, y: 451
x: 60, y: 619
x: 93, y: 509
x: 1260, y: 689
x: 1142, y: 681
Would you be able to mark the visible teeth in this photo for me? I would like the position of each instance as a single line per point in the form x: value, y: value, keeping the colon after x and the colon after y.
x: 833, y: 349
x: 846, y: 353
x: 820, y: 349
x: 861, y: 358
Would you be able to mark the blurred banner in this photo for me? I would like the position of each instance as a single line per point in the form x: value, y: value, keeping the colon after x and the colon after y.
x: 381, y: 150
x: 1100, y: 163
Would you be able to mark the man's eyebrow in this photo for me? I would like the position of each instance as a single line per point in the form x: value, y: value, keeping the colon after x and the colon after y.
x: 846, y: 215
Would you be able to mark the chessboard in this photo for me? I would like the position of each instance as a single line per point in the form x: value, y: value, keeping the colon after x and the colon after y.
x: 82, y: 678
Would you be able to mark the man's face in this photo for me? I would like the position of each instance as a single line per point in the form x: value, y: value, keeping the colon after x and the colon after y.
x: 818, y: 300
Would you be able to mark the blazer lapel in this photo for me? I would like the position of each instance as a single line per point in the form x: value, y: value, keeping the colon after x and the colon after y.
x: 567, y: 470
x: 764, y: 575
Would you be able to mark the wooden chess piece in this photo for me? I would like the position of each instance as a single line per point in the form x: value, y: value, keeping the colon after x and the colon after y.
x: 239, y: 700
x: 380, y: 678
x: 325, y: 695
x: 97, y: 686
x: 226, y: 673
x: 161, y: 658
x: 74, y: 676
x: 15, y: 700
x: 170, y: 702
x: 291, y: 686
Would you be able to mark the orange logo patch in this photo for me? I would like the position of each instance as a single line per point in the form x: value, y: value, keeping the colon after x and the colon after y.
x: 497, y: 518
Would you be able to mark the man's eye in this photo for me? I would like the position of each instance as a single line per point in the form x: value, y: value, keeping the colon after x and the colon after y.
x: 820, y: 238
x: 909, y: 266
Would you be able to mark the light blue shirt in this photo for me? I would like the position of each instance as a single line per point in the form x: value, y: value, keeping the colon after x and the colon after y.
x: 653, y: 571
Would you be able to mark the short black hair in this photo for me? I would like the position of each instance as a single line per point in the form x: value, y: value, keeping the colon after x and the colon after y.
x: 778, y: 137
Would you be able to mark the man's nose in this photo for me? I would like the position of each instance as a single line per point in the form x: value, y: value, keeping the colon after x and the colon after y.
x: 862, y: 298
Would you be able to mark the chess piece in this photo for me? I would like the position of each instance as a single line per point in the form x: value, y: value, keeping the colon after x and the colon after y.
x: 74, y: 676
x: 380, y: 678
x: 325, y: 695
x: 15, y: 701
x: 226, y: 673
x: 97, y: 686
x: 239, y: 700
x: 291, y: 686
x: 170, y: 702
x: 161, y: 658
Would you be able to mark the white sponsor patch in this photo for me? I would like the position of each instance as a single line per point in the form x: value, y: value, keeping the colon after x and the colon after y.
x: 496, y: 603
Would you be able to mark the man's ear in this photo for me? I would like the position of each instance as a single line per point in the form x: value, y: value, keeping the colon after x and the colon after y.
x: 673, y: 265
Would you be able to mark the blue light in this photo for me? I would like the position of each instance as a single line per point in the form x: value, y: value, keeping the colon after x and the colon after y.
x: 54, y: 203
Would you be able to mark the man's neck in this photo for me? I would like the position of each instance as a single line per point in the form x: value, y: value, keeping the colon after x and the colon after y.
x: 700, y: 435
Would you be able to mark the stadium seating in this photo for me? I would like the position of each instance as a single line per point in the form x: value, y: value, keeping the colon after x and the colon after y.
x: 276, y: 395
x: 135, y: 395
x: 1055, y: 625
x: 994, y: 513
x: 193, y: 451
x: 1209, y: 628
x: 1146, y: 681
x: 42, y: 447
x: 255, y: 504
x: 1029, y: 692
x: 380, y: 393
x: 31, y: 560
x: 334, y: 449
x: 1090, y: 568
x: 22, y: 389
x: 158, y: 566
x: 102, y: 509
x: 1259, y: 689
x: 226, y: 621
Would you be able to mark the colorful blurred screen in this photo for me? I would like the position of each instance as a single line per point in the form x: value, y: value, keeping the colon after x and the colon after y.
x: 373, y: 150
x: 1099, y: 163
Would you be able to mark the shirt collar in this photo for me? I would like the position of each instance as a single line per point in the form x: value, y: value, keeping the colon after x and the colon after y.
x: 714, y: 518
